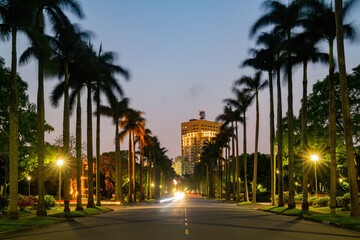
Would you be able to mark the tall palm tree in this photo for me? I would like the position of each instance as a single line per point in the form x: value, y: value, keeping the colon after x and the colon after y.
x: 321, y: 23
x: 254, y: 86
x: 117, y: 110
x: 68, y: 38
x: 39, y: 49
x: 355, y: 208
x: 145, y: 140
x: 228, y: 117
x: 305, y: 51
x: 284, y: 17
x: 10, y: 25
x: 107, y: 84
x: 241, y: 103
x: 264, y: 59
x: 132, y: 123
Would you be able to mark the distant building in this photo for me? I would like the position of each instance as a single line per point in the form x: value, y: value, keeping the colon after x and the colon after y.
x: 194, y: 135
x: 179, y: 166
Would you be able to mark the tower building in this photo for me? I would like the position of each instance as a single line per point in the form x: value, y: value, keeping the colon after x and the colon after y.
x: 194, y: 135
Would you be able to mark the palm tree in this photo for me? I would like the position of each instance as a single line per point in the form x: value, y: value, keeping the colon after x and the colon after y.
x: 145, y: 140
x: 132, y: 123
x: 105, y: 83
x: 355, y: 208
x: 241, y: 103
x: 264, y: 59
x: 117, y: 110
x: 254, y: 86
x: 284, y: 17
x: 321, y: 23
x: 39, y: 49
x: 12, y: 23
x: 228, y: 117
x: 305, y: 52
x: 66, y: 42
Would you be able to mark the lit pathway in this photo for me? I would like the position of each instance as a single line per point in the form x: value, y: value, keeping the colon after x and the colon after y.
x: 190, y: 218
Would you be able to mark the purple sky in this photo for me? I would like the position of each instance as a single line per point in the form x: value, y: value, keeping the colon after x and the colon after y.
x: 182, y: 56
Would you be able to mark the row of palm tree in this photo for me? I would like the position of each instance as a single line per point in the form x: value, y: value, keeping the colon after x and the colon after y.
x: 296, y: 30
x: 69, y: 55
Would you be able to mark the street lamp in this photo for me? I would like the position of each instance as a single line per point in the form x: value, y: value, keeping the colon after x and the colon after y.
x: 315, y: 158
x: 60, y: 162
x: 29, y: 178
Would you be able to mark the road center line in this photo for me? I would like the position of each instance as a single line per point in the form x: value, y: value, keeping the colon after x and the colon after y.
x: 186, y: 231
x: 185, y: 219
x: 186, y: 224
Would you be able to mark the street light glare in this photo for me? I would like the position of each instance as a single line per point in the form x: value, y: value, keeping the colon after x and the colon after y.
x: 60, y: 162
x: 314, y: 157
x: 29, y: 178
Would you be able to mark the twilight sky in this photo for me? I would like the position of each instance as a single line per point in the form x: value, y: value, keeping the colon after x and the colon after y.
x: 182, y: 56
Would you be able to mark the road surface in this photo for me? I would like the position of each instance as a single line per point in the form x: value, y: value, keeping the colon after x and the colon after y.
x: 189, y: 218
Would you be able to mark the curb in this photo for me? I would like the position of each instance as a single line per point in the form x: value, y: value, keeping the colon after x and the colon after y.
x: 301, y: 217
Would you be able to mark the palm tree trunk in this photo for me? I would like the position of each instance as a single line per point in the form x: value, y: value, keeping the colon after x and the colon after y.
x: 134, y: 166
x: 233, y: 160
x: 332, y: 129
x: 89, y: 141
x: 13, y: 133
x: 245, y: 160
x: 129, y: 169
x: 355, y: 208
x: 41, y: 210
x: 148, y: 177
x: 272, y: 140
x: 141, y: 172
x: 279, y: 141
x: 78, y: 154
x: 118, y: 182
x: 291, y: 203
x: 98, y: 194
x: 304, y: 141
x: 237, y: 163
x: 66, y: 140
x: 256, y: 150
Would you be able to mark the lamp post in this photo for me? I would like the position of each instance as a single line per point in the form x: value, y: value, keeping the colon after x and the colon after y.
x: 315, y: 158
x: 60, y: 162
x: 29, y: 178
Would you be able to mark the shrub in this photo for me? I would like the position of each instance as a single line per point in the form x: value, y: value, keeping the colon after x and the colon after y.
x: 263, y: 196
x: 298, y: 198
x: 26, y: 201
x: 50, y: 201
x: 286, y: 198
x: 343, y: 202
x: 321, y: 201
x: 3, y: 202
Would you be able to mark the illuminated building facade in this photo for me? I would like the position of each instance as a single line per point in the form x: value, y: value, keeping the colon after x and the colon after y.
x: 194, y: 135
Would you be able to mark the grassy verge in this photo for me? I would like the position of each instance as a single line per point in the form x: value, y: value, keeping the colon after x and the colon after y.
x: 342, y: 219
x: 247, y: 203
x: 8, y: 225
x: 86, y: 212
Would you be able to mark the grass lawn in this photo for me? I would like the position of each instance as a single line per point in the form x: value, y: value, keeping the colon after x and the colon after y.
x: 7, y: 225
x: 86, y: 212
x: 319, y: 214
x: 340, y: 219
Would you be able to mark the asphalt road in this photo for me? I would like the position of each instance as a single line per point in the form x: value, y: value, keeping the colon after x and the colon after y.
x: 189, y: 218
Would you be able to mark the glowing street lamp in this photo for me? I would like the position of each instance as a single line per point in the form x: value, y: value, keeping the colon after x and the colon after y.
x: 315, y: 158
x: 29, y: 178
x: 60, y: 162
